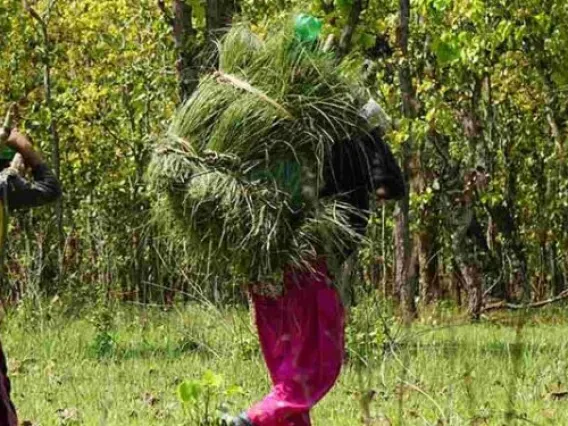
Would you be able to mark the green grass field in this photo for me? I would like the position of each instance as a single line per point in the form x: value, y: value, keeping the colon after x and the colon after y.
x: 65, y: 371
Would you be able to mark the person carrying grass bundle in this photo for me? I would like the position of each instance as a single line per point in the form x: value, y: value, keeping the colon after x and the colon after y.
x: 302, y: 332
x: 269, y: 169
x: 16, y: 192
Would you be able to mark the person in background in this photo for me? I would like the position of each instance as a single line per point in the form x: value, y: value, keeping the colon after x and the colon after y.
x: 16, y: 193
x: 302, y: 332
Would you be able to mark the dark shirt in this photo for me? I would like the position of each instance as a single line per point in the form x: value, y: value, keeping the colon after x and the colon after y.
x: 22, y: 193
x: 356, y: 168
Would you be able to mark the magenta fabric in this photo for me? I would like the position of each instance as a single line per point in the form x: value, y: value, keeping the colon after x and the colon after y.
x: 8, y: 416
x: 302, y: 339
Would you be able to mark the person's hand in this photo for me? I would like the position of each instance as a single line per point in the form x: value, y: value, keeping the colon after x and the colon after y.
x: 22, y: 145
x: 382, y: 193
x: 19, y: 142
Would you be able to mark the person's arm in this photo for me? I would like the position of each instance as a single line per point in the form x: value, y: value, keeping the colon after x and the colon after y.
x: 44, y: 188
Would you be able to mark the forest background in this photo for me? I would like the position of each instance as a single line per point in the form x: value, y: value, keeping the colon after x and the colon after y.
x: 476, y: 90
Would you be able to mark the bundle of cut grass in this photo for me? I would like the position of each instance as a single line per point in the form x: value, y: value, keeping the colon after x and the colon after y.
x: 241, y: 167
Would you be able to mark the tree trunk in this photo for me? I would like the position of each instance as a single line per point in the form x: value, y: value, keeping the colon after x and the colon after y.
x: 558, y: 129
x: 467, y: 253
x: 473, y: 284
x: 428, y: 282
x: 54, y: 135
x: 402, y: 229
x: 470, y: 242
x: 327, y: 6
x: 555, y: 271
x: 424, y: 238
x: 214, y: 8
x: 349, y: 29
x: 455, y: 287
x: 403, y: 259
x: 184, y: 39
x: 219, y: 16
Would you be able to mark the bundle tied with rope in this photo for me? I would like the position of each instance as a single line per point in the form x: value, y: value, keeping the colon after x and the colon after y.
x: 241, y: 168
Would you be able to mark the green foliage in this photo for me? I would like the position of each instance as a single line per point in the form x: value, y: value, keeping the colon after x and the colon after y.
x: 103, y: 345
x: 189, y: 392
x: 197, y: 397
x: 490, y: 85
x: 370, y: 332
x: 105, y: 340
x: 447, y: 49
x: 109, y: 101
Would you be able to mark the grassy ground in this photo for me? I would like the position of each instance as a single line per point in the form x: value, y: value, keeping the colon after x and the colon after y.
x: 125, y: 366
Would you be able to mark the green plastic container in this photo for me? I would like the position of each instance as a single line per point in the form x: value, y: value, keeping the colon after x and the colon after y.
x: 288, y: 176
x: 7, y: 153
x: 308, y: 28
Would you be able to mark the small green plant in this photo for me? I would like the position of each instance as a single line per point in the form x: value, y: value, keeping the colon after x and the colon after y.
x: 104, y: 342
x: 368, y: 332
x: 247, y: 347
x: 205, y: 400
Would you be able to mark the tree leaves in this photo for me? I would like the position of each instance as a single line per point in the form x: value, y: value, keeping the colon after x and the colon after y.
x: 344, y: 5
x: 189, y: 391
x: 440, y: 5
x: 447, y: 50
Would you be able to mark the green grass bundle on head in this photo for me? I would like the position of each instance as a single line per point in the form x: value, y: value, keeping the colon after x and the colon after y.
x: 241, y: 167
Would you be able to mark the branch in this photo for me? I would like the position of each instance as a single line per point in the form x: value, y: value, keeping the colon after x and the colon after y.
x: 405, y: 77
x: 350, y: 27
x: 7, y: 123
x: 329, y: 43
x: 404, y: 28
x: 168, y: 18
x: 55, y: 156
x: 434, y: 140
x: 326, y: 6
x: 117, y: 139
x: 36, y: 16
x: 48, y: 10
x: 555, y: 130
x: 512, y: 306
x: 552, y: 117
